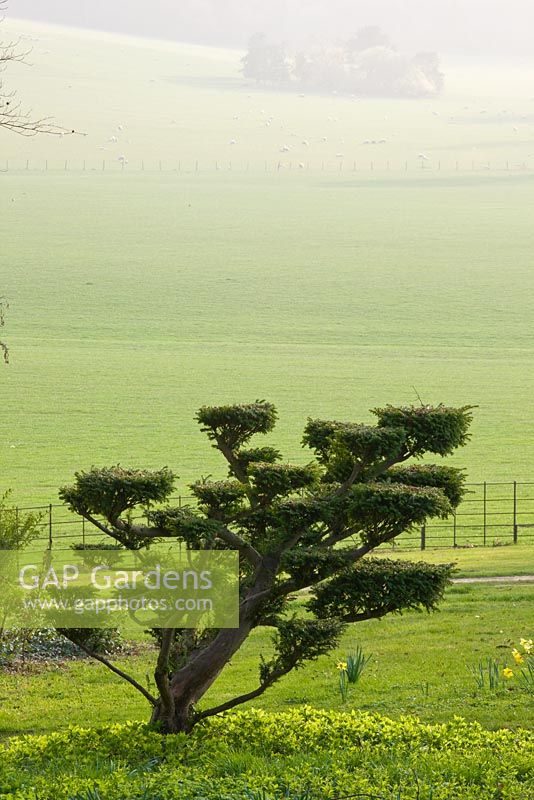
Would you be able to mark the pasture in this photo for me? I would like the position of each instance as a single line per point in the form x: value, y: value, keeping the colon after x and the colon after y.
x: 135, y: 297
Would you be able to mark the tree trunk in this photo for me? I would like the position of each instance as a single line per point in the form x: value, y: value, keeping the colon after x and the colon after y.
x: 174, y: 712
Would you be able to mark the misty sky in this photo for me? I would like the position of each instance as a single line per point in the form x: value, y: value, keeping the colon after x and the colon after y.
x: 460, y: 26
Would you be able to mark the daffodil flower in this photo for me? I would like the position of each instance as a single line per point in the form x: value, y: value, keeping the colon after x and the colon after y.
x: 527, y: 645
x: 518, y: 658
x: 508, y: 673
x: 342, y: 666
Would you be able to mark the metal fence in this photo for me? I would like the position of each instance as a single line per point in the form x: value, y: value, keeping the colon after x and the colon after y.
x: 491, y: 514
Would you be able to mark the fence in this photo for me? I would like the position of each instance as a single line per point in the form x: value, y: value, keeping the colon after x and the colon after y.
x: 332, y: 165
x: 491, y: 514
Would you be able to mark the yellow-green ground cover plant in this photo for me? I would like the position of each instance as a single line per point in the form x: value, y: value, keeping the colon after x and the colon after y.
x: 300, y: 754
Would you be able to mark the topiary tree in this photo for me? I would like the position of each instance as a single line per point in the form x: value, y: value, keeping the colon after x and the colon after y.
x: 295, y: 527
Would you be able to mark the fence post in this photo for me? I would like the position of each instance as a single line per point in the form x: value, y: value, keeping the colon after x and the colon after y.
x: 50, y: 536
x: 454, y: 544
x: 423, y: 537
x: 485, y: 511
x: 83, y: 532
x: 515, y: 512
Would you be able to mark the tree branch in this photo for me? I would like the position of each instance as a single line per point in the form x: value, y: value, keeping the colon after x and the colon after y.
x: 367, y: 615
x: 235, y: 542
x: 230, y: 456
x: 243, y: 698
x: 146, y: 694
x: 161, y: 673
x: 94, y: 521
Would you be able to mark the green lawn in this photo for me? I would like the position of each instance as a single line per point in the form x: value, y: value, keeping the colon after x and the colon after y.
x: 419, y: 666
x: 476, y: 561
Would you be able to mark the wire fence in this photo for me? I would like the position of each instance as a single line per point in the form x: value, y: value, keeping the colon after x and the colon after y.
x: 491, y: 514
x: 332, y: 165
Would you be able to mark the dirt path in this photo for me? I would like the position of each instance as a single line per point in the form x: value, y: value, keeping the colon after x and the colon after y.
x: 500, y: 579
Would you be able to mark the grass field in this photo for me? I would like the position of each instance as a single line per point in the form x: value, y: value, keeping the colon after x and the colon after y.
x: 137, y: 297
x: 420, y: 665
x: 477, y: 562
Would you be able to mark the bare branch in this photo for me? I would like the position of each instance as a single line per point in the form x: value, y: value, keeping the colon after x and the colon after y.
x: 12, y: 115
x: 146, y: 694
x: 244, y: 698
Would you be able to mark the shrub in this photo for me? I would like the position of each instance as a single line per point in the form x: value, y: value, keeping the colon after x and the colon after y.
x: 255, y: 755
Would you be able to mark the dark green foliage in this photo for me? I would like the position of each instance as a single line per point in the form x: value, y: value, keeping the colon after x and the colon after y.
x: 300, y: 516
x: 376, y: 587
x: 273, y: 480
x: 189, y: 526
x: 112, y: 491
x: 235, y: 425
x: 429, y: 429
x: 340, y: 446
x: 309, y: 565
x: 219, y: 499
x: 382, y: 511
x: 368, y: 444
x: 450, y: 480
x: 319, y: 435
x: 245, y: 458
x: 298, y: 641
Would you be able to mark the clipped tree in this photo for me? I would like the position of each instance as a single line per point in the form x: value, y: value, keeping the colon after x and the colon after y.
x: 296, y: 527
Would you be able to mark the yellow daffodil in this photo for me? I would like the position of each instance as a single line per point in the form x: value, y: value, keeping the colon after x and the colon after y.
x: 342, y: 666
x: 527, y: 645
x: 508, y: 673
x: 518, y: 658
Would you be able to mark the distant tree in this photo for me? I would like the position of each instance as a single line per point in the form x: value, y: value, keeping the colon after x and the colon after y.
x: 321, y: 69
x: 296, y: 528
x: 370, y: 36
x: 428, y: 65
x: 379, y: 70
x: 367, y: 64
x: 266, y: 62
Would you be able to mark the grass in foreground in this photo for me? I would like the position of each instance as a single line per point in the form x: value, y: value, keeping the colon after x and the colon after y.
x: 297, y: 755
x: 420, y: 665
